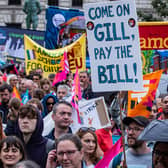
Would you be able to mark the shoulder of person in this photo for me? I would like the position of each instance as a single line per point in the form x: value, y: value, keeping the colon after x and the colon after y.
x: 50, y: 145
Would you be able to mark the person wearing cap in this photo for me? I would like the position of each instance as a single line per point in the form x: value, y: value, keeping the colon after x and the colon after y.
x: 137, y: 154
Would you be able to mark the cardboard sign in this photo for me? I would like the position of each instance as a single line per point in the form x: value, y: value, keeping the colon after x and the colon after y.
x: 93, y: 113
x: 114, y: 49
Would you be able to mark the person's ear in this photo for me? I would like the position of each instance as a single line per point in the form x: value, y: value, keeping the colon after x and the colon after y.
x: 53, y: 116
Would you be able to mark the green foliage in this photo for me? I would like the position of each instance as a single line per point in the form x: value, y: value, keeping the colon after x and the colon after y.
x: 161, y: 8
x: 148, y: 55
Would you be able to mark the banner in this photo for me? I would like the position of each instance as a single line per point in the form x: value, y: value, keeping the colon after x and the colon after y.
x: 153, y: 35
x: 93, y: 113
x: 114, y: 49
x: 49, y: 60
x: 62, y: 21
x: 12, y: 42
x: 154, y: 46
x: 140, y: 103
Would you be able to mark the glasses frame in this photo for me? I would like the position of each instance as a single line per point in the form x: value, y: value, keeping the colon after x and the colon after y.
x: 135, y: 129
x: 68, y: 153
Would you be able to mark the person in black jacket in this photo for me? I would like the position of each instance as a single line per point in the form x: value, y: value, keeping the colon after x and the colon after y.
x: 28, y: 128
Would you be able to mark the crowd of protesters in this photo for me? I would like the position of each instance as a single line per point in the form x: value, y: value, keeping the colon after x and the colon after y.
x: 27, y: 100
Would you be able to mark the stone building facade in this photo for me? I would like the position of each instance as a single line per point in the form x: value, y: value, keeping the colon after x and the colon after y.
x: 11, y: 13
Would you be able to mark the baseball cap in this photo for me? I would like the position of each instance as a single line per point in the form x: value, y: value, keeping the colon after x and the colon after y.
x: 140, y: 120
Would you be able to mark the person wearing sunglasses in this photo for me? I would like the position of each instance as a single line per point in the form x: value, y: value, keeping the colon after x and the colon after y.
x: 90, y: 146
x: 48, y: 102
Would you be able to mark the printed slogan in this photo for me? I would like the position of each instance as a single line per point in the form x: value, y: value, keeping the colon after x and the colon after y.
x: 113, y: 42
x: 38, y: 57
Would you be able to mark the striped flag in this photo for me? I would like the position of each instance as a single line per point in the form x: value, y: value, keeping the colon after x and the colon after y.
x: 64, y: 63
x: 60, y: 76
x: 31, y: 54
x: 25, y: 98
x: 76, y: 93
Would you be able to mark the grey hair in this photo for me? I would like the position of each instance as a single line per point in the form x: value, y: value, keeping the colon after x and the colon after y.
x: 9, y: 78
x: 63, y: 87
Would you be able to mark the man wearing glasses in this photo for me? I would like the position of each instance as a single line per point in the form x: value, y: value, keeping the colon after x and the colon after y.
x: 137, y: 154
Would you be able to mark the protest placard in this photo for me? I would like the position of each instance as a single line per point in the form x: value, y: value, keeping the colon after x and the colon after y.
x: 113, y: 42
x: 37, y: 56
x: 93, y: 113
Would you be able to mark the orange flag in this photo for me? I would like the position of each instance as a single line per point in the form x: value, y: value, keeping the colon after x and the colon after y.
x: 140, y: 102
x: 16, y: 93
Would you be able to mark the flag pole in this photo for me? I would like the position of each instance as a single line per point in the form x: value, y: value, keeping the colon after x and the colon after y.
x: 122, y: 132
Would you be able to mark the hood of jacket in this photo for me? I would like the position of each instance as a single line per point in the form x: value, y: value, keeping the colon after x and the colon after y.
x: 44, y: 101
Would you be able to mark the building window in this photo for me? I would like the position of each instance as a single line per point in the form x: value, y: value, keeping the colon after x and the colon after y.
x: 53, y: 2
x: 14, y: 25
x: 14, y: 2
x: 77, y: 2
